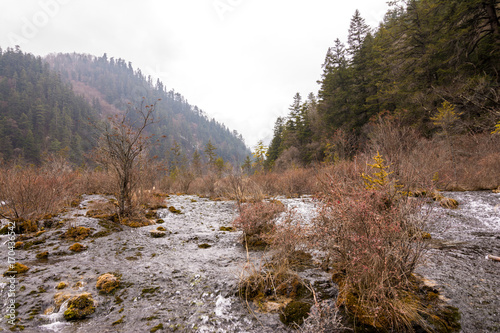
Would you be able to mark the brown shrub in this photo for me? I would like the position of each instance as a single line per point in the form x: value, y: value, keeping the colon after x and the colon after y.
x: 289, y: 239
x: 240, y: 188
x: 369, y: 234
x: 97, y: 181
x: 257, y: 220
x: 204, y: 185
x: 30, y: 192
x: 297, y: 182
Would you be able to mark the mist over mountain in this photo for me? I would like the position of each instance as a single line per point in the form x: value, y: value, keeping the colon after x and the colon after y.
x: 47, y: 104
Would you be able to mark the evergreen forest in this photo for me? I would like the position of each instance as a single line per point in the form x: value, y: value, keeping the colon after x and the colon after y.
x: 424, y: 53
x: 47, y: 106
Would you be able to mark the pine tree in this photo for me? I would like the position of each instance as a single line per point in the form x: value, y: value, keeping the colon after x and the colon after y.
x: 358, y: 30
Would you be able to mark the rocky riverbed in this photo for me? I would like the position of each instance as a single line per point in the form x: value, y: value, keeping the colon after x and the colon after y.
x: 187, y: 281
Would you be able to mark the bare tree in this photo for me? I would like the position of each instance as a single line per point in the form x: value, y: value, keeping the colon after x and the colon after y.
x: 121, y: 144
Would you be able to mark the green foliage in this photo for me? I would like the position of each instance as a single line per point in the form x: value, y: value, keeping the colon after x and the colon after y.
x: 259, y: 155
x: 424, y: 52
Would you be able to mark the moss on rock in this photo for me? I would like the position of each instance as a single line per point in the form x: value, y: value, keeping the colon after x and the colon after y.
x: 79, y: 307
x: 106, y: 283
x: 76, y: 233
x: 61, y: 285
x: 157, y: 233
x: 17, y: 269
x: 42, y: 255
x: 77, y: 247
x: 294, y: 313
x: 174, y: 210
x: 157, y: 328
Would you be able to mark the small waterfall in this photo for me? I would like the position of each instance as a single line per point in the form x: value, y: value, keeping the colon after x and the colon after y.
x: 56, y: 320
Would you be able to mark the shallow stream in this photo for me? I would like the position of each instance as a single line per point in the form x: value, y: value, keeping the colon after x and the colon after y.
x: 174, y: 282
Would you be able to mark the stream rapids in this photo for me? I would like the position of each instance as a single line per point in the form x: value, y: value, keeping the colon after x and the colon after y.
x: 173, y: 284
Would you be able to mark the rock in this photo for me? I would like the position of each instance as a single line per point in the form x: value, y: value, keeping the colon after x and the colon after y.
x: 157, y: 233
x: 77, y: 247
x: 17, y: 268
x: 294, y: 313
x: 79, y: 307
x: 106, y: 283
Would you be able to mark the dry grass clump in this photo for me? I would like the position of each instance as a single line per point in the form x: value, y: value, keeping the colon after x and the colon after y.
x: 324, y: 318
x: 289, y: 240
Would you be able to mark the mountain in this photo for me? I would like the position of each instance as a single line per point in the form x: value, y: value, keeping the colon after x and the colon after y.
x: 47, y: 106
x: 39, y: 113
x: 112, y: 85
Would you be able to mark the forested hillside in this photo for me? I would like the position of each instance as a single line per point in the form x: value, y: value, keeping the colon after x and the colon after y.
x: 424, y: 53
x: 39, y: 113
x: 111, y: 84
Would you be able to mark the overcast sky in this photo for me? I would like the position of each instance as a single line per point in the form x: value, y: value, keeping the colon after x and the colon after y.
x: 241, y: 61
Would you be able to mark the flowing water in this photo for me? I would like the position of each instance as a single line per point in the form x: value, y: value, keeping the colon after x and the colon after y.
x: 458, y: 262
x: 174, y: 282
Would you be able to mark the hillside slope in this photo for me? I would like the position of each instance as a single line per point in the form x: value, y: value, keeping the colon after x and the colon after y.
x: 110, y: 85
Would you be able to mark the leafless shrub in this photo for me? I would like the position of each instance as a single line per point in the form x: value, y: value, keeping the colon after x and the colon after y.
x: 97, y: 181
x: 373, y: 238
x: 240, y: 188
x: 289, y: 239
x: 324, y: 318
x: 257, y: 220
x: 29, y: 192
